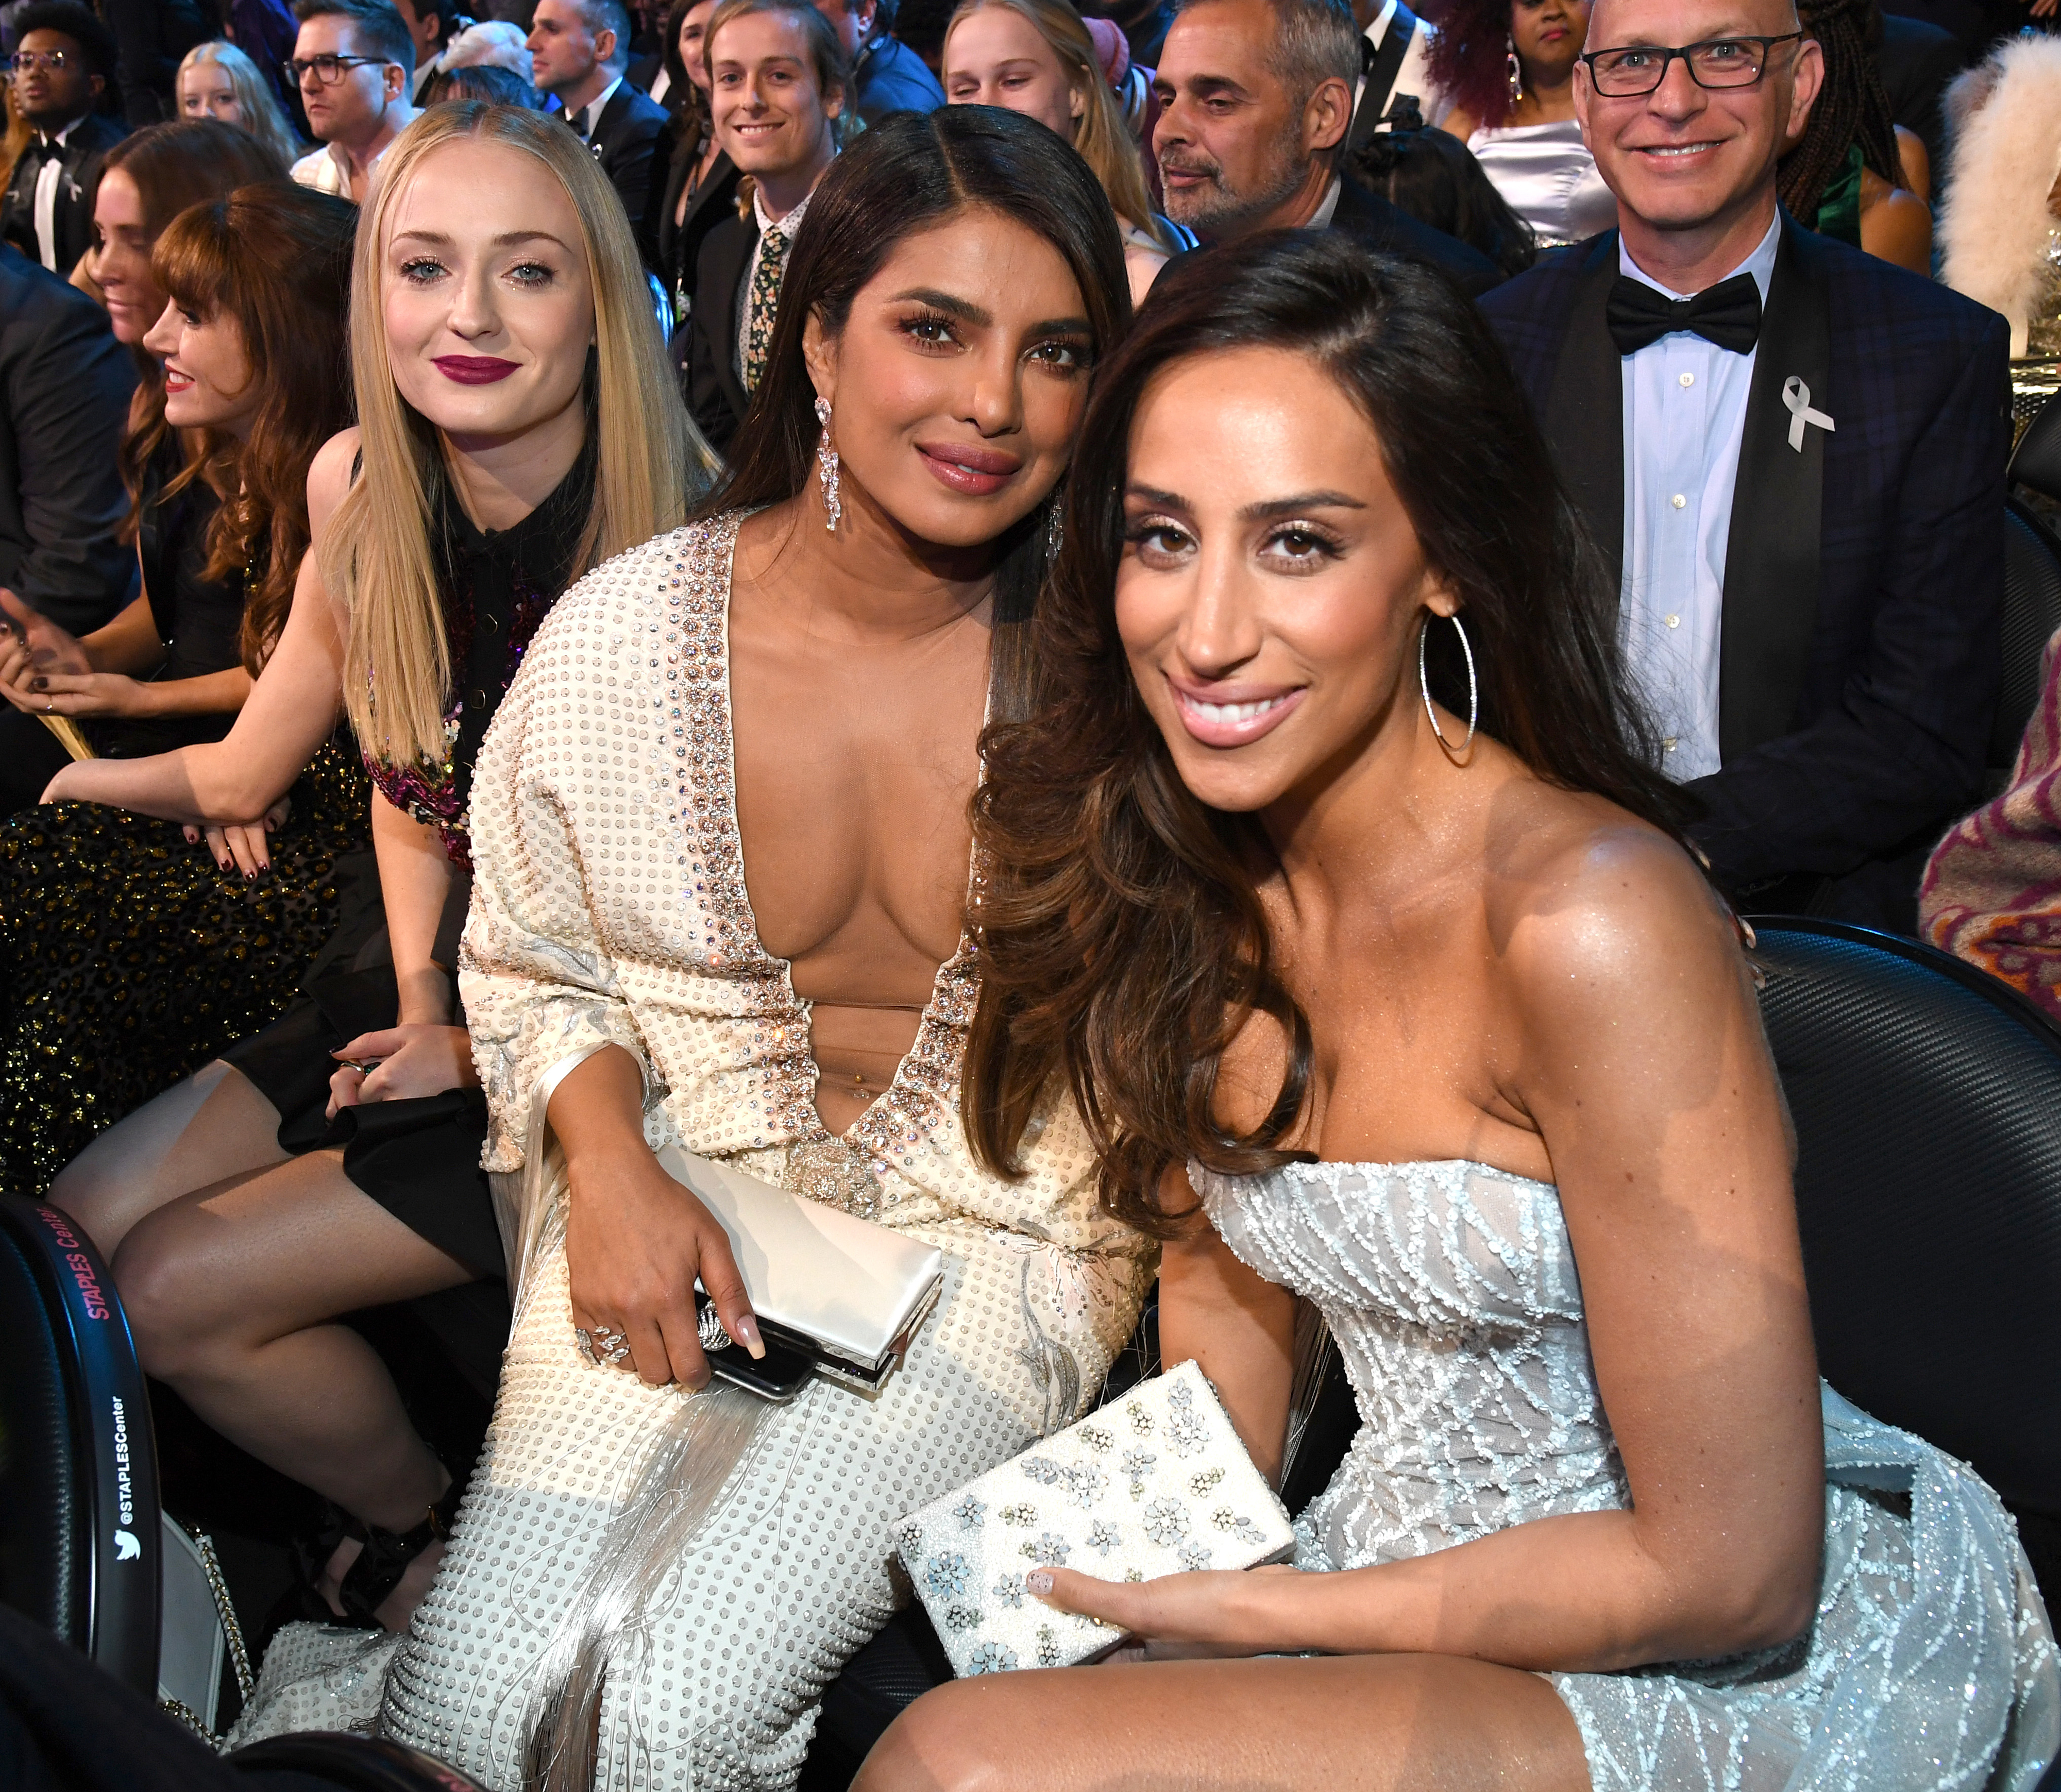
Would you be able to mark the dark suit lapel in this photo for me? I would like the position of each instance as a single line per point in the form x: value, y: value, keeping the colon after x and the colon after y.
x: 1584, y: 419
x: 1771, y: 602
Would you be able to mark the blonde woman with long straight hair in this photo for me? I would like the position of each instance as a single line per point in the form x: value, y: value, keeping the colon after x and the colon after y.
x: 516, y: 427
x: 1035, y: 57
x: 217, y: 80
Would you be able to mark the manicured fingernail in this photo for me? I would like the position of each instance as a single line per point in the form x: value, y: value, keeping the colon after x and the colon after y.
x: 746, y: 1331
x: 1038, y: 1581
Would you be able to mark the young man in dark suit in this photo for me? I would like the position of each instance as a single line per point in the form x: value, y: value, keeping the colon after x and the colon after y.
x: 63, y: 64
x: 579, y: 50
x: 1793, y: 455
x: 1255, y: 99
x: 65, y: 384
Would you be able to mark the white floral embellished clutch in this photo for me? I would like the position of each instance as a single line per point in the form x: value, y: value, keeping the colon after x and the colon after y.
x: 1156, y: 1483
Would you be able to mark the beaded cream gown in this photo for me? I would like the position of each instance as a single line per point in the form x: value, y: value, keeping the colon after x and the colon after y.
x: 699, y: 1566
x: 1452, y: 1291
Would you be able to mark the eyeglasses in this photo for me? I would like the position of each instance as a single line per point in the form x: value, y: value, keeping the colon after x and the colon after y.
x: 55, y: 61
x: 1640, y: 68
x: 327, y: 70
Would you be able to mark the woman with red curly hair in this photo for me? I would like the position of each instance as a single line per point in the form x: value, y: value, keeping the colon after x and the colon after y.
x: 1507, y: 67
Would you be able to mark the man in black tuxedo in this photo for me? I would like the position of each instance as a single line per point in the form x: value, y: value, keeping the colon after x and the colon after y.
x: 1256, y: 99
x: 64, y: 63
x: 1393, y: 42
x: 65, y: 384
x: 579, y: 50
x: 1793, y: 455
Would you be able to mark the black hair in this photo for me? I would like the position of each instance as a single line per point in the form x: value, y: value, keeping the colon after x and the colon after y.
x: 377, y: 29
x: 1433, y: 176
x: 911, y: 171
x: 96, y: 42
x: 1853, y: 107
x: 1122, y: 937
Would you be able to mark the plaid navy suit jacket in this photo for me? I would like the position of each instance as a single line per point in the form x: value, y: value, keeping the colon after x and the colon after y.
x: 1889, y: 693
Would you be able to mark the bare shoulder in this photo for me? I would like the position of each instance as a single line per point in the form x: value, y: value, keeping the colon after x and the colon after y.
x: 329, y: 475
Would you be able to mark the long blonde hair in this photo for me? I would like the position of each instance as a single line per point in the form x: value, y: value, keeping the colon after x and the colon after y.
x: 261, y: 117
x: 650, y: 462
x: 1099, y: 136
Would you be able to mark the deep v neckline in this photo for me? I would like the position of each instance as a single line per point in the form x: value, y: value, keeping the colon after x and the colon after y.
x: 920, y: 1093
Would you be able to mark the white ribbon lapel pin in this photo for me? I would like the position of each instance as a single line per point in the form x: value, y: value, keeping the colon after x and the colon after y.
x: 1796, y: 399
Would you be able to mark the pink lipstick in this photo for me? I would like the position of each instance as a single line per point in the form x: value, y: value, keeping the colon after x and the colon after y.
x: 967, y: 467
x: 1232, y: 715
x: 474, y: 370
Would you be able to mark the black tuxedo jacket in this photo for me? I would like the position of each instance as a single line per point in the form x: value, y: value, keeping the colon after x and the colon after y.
x: 65, y: 384
x: 679, y: 246
x: 1381, y: 67
x: 624, y: 139
x: 1859, y: 651
x: 79, y: 154
x: 1369, y: 218
x: 715, y: 395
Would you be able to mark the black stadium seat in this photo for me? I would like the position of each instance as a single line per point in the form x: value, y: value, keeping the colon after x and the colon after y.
x: 353, y: 1763
x: 80, y: 1546
x: 2031, y: 614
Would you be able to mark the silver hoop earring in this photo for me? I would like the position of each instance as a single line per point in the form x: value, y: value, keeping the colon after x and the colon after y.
x: 826, y: 468
x: 1474, y: 690
x: 1515, y: 71
x: 1055, y: 529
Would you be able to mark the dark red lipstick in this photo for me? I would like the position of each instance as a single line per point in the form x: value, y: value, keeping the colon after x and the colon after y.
x: 474, y: 370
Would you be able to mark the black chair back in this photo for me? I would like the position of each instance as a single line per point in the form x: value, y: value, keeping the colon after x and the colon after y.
x: 2031, y: 614
x: 2036, y: 461
x: 80, y: 1538
x: 351, y: 1763
x: 1927, y: 1101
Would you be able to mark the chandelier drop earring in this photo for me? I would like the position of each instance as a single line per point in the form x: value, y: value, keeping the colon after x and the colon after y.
x: 1474, y: 690
x: 1055, y: 530
x: 826, y: 468
x: 1516, y: 71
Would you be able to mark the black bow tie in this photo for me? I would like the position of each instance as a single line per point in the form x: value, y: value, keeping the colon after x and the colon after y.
x: 1727, y: 315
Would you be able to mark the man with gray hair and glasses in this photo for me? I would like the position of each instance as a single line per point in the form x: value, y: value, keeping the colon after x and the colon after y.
x: 1792, y: 454
x: 1256, y: 97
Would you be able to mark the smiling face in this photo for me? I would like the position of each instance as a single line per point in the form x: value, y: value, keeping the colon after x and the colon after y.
x: 205, y: 92
x: 958, y: 381
x: 1235, y: 147
x: 1684, y: 157
x: 771, y: 117
x: 121, y: 257
x: 485, y: 291
x: 1271, y: 585
x: 694, y: 36
x: 996, y: 56
x: 1548, y: 35
x: 209, y: 381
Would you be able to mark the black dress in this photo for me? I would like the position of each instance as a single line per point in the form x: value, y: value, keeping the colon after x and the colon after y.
x: 419, y: 1158
x: 128, y: 957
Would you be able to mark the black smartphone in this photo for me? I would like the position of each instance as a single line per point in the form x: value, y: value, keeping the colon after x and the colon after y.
x: 780, y: 1375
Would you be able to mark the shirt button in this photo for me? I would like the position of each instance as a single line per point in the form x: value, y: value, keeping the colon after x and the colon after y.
x: 1667, y: 745
x: 1674, y: 622
x: 1678, y: 501
x: 1688, y: 379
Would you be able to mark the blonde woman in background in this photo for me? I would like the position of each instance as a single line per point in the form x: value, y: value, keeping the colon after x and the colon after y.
x: 1035, y: 57
x: 515, y: 428
x: 217, y: 81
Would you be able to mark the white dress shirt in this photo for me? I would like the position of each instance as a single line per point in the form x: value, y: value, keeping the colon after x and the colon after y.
x: 1684, y: 418
x: 589, y: 115
x: 48, y: 178
x: 326, y: 169
x: 1413, y: 77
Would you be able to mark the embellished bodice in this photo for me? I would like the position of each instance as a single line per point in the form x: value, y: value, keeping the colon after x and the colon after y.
x: 1450, y: 1290
x: 496, y: 587
x: 609, y: 906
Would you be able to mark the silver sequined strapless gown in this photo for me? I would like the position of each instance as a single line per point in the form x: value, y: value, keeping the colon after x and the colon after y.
x: 1452, y: 1292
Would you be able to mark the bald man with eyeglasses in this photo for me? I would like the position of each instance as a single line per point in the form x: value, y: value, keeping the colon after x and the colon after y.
x: 1793, y: 455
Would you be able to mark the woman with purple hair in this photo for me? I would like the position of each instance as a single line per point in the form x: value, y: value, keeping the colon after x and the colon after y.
x: 1507, y: 70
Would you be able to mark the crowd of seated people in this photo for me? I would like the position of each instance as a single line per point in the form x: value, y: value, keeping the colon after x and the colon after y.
x: 1163, y: 649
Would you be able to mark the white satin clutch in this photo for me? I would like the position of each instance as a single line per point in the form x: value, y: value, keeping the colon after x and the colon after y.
x: 1156, y: 1483
x: 846, y: 1290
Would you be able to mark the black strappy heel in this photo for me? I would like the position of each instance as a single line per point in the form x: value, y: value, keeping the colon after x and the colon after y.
x: 370, y: 1579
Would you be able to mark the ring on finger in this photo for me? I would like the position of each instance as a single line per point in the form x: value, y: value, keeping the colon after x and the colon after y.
x: 603, y: 1345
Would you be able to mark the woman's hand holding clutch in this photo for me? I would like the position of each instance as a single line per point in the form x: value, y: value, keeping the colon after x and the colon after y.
x: 1176, y: 1617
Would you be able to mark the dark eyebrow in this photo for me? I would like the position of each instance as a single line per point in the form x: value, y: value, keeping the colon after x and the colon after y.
x: 1206, y: 85
x: 961, y: 308
x: 1263, y: 512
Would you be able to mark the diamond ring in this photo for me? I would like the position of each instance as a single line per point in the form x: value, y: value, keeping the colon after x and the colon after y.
x: 603, y: 1345
x: 708, y: 1327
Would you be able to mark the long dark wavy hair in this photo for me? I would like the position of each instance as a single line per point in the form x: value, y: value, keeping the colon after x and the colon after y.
x: 1853, y: 107
x: 1468, y: 58
x: 1123, y: 944
x: 909, y: 173
x: 276, y: 259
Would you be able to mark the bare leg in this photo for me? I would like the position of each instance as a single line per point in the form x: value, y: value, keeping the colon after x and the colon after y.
x: 1376, y: 1723
x: 213, y: 1125
x: 228, y: 1290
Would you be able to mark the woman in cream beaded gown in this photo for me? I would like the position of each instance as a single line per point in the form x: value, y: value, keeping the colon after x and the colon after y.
x: 722, y: 857
x: 1409, y: 1003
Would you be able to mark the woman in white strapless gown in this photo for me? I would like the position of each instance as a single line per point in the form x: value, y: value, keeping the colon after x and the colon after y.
x: 1336, y: 883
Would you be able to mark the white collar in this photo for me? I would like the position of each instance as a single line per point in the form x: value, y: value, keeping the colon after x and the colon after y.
x: 589, y: 115
x: 60, y: 137
x: 1321, y: 218
x: 788, y: 225
x: 1378, y: 29
x: 1760, y: 264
